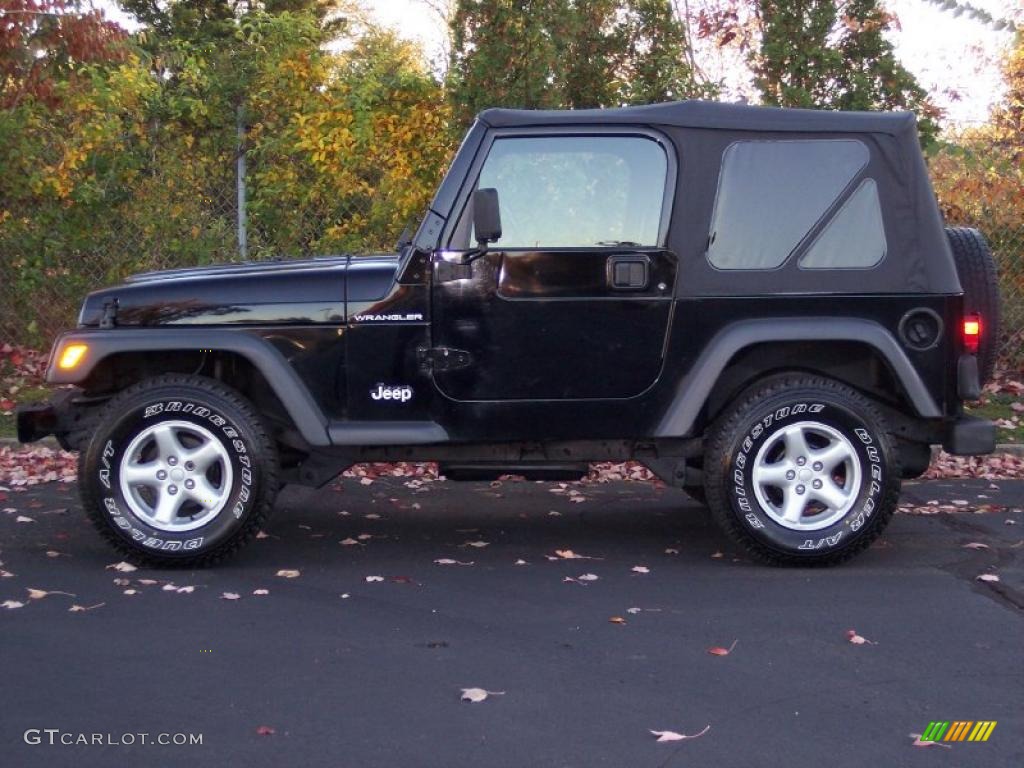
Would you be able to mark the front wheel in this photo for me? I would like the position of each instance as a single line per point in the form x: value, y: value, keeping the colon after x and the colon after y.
x: 802, y: 471
x: 179, y: 471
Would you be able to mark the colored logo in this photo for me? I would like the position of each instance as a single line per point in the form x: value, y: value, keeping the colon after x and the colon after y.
x: 958, y: 730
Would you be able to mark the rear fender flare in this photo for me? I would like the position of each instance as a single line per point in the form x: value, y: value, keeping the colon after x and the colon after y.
x: 693, y: 390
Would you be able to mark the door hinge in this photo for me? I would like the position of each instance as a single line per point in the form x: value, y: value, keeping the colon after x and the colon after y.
x: 443, y: 358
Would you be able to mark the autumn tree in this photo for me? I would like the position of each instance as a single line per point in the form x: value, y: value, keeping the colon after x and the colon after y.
x: 1008, y: 117
x: 566, y: 53
x: 133, y: 167
x: 833, y: 54
x: 43, y: 43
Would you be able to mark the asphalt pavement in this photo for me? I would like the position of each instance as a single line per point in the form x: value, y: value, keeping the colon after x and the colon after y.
x: 330, y: 669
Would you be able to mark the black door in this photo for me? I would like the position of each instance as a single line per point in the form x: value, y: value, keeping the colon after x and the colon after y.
x: 574, y: 300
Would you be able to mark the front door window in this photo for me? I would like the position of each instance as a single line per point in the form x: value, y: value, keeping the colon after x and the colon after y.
x: 577, y: 191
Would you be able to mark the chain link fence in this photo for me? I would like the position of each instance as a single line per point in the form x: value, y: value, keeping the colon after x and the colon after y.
x: 179, y: 211
x: 979, y: 179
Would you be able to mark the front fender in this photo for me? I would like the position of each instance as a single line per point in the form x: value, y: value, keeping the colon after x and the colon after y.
x: 696, y: 385
x: 309, y: 420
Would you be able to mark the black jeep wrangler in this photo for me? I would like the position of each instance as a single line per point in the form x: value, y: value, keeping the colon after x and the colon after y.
x: 761, y: 305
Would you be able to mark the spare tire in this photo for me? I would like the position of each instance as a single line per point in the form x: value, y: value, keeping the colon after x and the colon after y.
x: 980, y: 281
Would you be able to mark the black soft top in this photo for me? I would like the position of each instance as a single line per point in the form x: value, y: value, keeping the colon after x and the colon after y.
x: 710, y: 114
x: 917, y: 255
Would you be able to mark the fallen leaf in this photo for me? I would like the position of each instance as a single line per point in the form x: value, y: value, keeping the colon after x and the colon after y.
x: 374, y: 578
x: 568, y: 554
x: 123, y: 567
x: 81, y: 608
x: 975, y: 545
x: 588, y: 577
x: 717, y: 555
x: 39, y: 594
x: 641, y: 569
x: 673, y: 736
x: 131, y: 592
x: 671, y: 551
x: 169, y: 588
x: 231, y: 596
x: 265, y: 730
x: 476, y: 695
x: 918, y: 743
x: 262, y: 535
x: 520, y: 561
x: 147, y: 582
x: 718, y: 651
x: 55, y: 553
x: 477, y: 544
x: 23, y: 519
x: 856, y: 639
x: 287, y: 573
x: 261, y: 591
x: 185, y: 590
x: 449, y: 561
x: 617, y: 620
x: 990, y: 577
x: 12, y: 604
x: 348, y: 542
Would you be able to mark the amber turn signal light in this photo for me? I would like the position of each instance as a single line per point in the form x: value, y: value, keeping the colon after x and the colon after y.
x: 71, y: 356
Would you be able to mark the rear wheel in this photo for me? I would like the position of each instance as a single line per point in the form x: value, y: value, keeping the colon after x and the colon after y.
x: 802, y: 471
x: 179, y: 471
x: 978, y: 277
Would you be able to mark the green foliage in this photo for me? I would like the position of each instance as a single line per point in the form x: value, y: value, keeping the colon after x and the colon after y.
x: 833, y: 54
x: 567, y: 53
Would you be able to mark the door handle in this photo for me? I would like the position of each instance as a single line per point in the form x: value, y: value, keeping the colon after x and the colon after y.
x: 629, y: 273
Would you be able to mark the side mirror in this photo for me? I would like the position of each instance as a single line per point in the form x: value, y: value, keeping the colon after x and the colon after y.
x: 486, y: 217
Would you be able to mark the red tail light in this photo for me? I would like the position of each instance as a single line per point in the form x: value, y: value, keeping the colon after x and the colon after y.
x: 972, y: 333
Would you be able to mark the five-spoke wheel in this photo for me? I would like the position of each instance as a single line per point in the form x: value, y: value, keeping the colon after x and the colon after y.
x: 806, y: 476
x: 176, y: 476
x: 801, y: 469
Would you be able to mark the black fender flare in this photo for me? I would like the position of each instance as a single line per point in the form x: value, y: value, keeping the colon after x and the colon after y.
x: 293, y: 393
x: 693, y: 390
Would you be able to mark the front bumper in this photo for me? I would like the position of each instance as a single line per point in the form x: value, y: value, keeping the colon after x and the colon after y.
x: 35, y: 422
x: 53, y: 418
x: 970, y: 436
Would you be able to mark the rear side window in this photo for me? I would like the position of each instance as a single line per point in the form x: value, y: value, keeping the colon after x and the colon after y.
x: 772, y: 193
x: 854, y: 238
x: 577, y: 191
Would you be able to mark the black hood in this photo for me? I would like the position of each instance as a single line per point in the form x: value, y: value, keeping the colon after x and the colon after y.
x: 308, y: 291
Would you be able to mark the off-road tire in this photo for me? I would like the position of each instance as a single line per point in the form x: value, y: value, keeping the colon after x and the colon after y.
x: 758, y: 416
x: 224, y: 414
x: 980, y: 280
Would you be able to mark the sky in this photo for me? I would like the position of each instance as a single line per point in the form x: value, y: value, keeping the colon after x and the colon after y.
x: 955, y: 58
